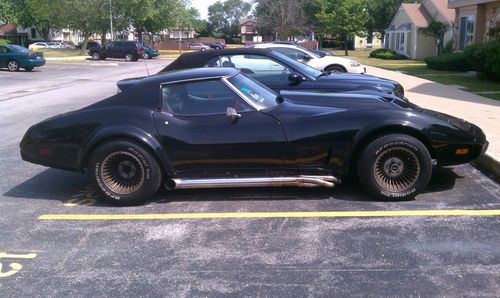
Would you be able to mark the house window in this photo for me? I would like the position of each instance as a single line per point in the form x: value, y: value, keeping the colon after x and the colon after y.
x: 387, y: 39
x: 33, y: 33
x: 400, y: 42
x: 466, y: 31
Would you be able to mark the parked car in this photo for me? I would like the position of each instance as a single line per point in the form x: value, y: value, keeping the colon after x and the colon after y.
x: 62, y: 45
x: 216, y: 127
x: 280, y: 72
x: 130, y: 50
x: 38, y: 45
x: 149, y: 53
x: 215, y: 45
x: 326, y: 62
x: 198, y: 46
x: 14, y: 57
x: 90, y: 44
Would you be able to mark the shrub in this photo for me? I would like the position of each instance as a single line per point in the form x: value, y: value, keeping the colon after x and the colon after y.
x: 485, y: 58
x: 448, y: 48
x: 449, y: 61
x: 338, y: 44
x: 4, y: 41
x: 387, y: 54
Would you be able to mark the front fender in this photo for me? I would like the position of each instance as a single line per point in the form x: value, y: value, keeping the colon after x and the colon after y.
x: 126, y: 132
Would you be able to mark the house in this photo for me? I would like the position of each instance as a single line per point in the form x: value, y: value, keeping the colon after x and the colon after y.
x: 368, y: 42
x: 10, y: 32
x: 405, y: 34
x: 248, y: 31
x: 475, y: 19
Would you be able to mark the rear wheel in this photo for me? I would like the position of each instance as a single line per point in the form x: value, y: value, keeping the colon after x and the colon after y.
x: 28, y: 68
x: 146, y: 56
x: 96, y: 56
x: 124, y: 173
x: 395, y: 166
x: 129, y: 57
x: 13, y: 65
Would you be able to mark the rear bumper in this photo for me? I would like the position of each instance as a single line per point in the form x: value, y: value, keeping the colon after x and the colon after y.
x: 32, y: 62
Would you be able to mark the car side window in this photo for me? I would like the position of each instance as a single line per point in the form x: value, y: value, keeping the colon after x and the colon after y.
x: 3, y: 50
x: 255, y: 66
x: 292, y: 53
x: 201, y: 98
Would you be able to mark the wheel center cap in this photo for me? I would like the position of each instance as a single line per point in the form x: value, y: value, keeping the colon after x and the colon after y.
x: 393, y: 166
x: 127, y: 169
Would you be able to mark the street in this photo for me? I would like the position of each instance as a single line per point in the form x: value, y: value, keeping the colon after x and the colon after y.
x: 271, y: 242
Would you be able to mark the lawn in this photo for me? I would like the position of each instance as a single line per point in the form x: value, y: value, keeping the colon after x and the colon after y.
x: 60, y: 53
x: 418, y: 68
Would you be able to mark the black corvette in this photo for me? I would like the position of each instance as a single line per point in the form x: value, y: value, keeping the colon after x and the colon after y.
x: 280, y: 72
x: 216, y: 127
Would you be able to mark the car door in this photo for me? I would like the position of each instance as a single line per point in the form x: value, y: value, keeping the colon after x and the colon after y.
x: 4, y: 55
x: 270, y: 72
x: 198, y: 135
x: 112, y: 50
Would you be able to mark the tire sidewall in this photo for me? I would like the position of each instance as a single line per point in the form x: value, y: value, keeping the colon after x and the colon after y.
x: 152, y: 173
x: 13, y: 61
x: 379, y: 146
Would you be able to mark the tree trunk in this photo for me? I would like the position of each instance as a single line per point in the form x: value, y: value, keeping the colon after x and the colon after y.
x: 86, y: 37
x: 103, y: 37
x: 345, y: 46
x: 139, y: 34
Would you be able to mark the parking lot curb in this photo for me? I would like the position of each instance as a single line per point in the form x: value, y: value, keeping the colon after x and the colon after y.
x: 490, y: 164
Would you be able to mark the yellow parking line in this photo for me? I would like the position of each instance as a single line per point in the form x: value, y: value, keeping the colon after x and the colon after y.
x: 395, y: 213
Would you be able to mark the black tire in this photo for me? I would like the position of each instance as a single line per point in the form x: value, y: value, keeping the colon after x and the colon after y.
x: 28, y: 68
x: 124, y: 173
x: 146, y: 56
x: 13, y: 65
x: 96, y: 56
x: 395, y: 167
x: 129, y: 57
x: 335, y: 68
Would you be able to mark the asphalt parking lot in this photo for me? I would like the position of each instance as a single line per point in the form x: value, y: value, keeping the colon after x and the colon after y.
x: 57, y: 240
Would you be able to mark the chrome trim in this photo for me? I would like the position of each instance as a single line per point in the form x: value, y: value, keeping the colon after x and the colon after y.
x: 301, y: 181
x: 199, y: 79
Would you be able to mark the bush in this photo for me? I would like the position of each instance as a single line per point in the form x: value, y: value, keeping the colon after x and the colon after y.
x: 485, y: 58
x: 236, y: 40
x: 387, y: 54
x: 449, y: 61
x: 337, y: 44
x: 4, y: 41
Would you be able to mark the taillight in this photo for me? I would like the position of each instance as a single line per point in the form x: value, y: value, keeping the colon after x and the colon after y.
x: 29, y: 55
x: 138, y: 50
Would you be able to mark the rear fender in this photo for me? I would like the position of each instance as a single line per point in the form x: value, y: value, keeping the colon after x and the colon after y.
x: 132, y: 133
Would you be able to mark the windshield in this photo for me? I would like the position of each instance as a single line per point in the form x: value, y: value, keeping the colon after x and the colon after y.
x: 18, y: 48
x: 259, y: 95
x: 312, y: 54
x: 303, y: 67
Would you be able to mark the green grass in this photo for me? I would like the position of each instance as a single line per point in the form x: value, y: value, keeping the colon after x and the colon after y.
x: 418, y: 68
x: 60, y: 53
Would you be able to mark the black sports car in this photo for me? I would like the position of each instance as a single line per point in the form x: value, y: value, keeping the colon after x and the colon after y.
x: 280, y: 72
x: 216, y: 127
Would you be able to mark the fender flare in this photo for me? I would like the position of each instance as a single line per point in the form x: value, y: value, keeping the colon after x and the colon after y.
x: 132, y: 133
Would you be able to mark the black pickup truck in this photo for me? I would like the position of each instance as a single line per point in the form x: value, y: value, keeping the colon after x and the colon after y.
x: 129, y: 50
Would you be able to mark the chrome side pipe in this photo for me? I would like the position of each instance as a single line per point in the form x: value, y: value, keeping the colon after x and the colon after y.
x: 300, y: 181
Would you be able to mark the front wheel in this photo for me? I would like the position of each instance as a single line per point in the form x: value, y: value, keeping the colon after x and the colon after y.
x: 335, y: 68
x: 129, y: 57
x: 124, y: 173
x: 96, y: 56
x: 146, y: 56
x: 28, y: 68
x: 395, y: 167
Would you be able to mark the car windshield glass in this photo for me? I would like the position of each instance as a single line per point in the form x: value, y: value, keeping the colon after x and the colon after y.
x: 303, y: 67
x: 312, y: 54
x: 259, y: 95
x: 18, y: 48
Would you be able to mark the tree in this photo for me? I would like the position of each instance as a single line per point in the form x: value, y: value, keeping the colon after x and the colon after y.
x: 437, y: 30
x: 44, y: 15
x: 225, y: 17
x: 343, y: 17
x: 380, y: 14
x: 282, y: 18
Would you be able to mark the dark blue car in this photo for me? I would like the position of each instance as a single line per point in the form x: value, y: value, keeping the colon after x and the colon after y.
x: 15, y: 57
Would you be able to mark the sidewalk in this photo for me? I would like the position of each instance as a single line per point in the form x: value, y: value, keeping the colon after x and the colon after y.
x: 449, y: 99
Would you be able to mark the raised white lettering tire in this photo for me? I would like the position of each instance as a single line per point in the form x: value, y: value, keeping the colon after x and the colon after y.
x: 124, y: 173
x: 395, y: 167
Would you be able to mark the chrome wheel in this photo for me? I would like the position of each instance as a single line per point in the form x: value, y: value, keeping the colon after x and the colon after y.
x: 396, y: 169
x: 145, y: 56
x: 13, y: 65
x: 122, y: 172
x: 96, y: 56
x: 129, y: 57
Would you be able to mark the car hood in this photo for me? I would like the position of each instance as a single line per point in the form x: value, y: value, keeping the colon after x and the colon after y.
x: 349, y: 81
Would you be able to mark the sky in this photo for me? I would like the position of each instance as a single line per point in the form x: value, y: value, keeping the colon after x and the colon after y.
x: 202, y: 6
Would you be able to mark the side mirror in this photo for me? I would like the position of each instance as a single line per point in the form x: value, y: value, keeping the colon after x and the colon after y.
x: 295, y: 77
x: 231, y: 113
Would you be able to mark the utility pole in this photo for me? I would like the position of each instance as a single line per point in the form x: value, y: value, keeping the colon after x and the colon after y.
x: 111, y: 19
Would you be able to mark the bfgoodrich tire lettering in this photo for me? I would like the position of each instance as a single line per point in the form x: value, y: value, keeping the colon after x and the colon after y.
x: 395, y: 167
x: 124, y: 173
